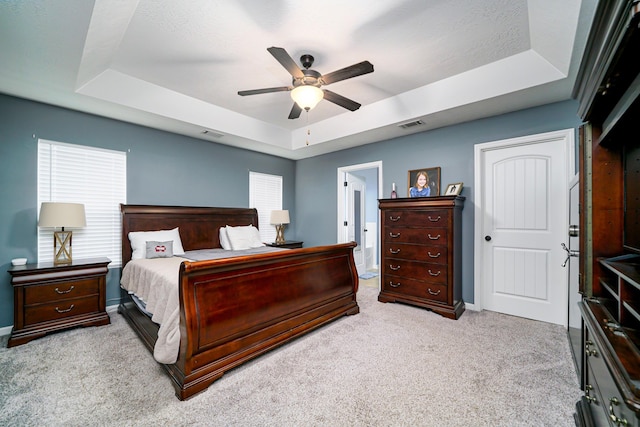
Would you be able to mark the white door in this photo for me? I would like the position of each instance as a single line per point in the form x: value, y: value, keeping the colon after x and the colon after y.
x: 356, y: 219
x: 523, y: 222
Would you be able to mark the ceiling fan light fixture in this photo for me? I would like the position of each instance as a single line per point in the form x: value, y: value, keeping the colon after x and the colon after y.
x: 307, y: 97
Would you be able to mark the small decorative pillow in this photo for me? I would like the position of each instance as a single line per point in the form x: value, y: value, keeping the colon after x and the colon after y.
x: 138, y: 241
x: 159, y: 249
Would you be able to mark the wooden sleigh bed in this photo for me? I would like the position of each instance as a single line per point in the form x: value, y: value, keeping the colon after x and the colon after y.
x: 234, y: 309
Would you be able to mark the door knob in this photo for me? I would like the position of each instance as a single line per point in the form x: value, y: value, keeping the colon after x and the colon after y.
x: 487, y: 238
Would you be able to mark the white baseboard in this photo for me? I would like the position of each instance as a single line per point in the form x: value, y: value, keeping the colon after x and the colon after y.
x: 6, y: 330
x: 470, y: 307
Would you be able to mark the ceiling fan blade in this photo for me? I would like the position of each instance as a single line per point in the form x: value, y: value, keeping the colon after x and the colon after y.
x: 341, y: 100
x: 364, y: 67
x: 286, y: 61
x: 295, y: 111
x: 265, y: 90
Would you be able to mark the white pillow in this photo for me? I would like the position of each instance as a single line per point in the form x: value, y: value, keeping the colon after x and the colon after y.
x: 139, y: 241
x: 224, y: 239
x: 244, y: 237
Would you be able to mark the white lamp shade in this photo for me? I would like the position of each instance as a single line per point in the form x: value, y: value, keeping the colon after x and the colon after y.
x: 307, y: 97
x: 54, y: 214
x: 279, y: 217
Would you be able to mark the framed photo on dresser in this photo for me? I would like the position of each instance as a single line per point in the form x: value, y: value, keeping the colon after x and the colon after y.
x: 424, y: 182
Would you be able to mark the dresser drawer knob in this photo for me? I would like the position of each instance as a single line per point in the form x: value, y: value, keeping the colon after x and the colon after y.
x: 66, y: 310
x: 394, y: 267
x: 394, y: 235
x: 434, y: 274
x: 433, y: 238
x: 434, y: 220
x: 432, y: 255
x: 394, y: 251
x: 58, y: 291
x: 433, y: 293
x: 394, y: 285
x: 618, y: 421
x: 587, y: 394
x: 394, y: 218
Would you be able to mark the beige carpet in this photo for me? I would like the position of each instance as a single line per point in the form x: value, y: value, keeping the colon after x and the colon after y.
x: 390, y: 365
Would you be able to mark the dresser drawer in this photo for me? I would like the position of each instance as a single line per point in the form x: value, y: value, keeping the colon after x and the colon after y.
x: 430, y: 236
x: 417, y: 288
x: 60, y: 309
x: 429, y: 253
x: 424, y: 271
x: 416, y: 218
x: 609, y: 397
x: 60, y: 291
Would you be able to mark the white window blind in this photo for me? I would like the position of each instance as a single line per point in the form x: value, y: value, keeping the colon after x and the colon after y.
x: 265, y: 194
x: 94, y: 177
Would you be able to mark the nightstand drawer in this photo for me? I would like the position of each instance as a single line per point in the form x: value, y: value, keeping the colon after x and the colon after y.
x: 60, y: 309
x: 60, y: 291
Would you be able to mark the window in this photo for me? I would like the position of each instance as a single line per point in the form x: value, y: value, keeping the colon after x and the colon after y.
x: 92, y: 176
x: 265, y: 194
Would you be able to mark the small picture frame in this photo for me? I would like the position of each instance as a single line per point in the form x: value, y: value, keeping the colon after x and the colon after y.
x: 425, y: 187
x: 453, y: 189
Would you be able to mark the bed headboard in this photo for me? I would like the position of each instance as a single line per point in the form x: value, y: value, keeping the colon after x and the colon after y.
x: 198, y: 225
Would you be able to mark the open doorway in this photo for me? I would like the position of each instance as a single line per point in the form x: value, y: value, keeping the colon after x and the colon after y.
x: 359, y: 187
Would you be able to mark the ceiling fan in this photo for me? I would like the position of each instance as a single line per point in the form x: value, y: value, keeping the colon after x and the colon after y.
x: 305, y: 88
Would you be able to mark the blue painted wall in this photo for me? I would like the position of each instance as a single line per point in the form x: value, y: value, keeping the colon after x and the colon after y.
x: 165, y: 168
x: 162, y: 168
x: 451, y: 148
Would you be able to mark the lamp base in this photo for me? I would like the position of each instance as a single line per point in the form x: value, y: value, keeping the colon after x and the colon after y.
x: 62, y: 247
x: 280, y: 234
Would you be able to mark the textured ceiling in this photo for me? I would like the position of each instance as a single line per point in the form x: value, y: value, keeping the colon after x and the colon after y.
x: 178, y: 66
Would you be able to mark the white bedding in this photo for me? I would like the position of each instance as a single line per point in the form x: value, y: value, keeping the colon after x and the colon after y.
x: 155, y: 281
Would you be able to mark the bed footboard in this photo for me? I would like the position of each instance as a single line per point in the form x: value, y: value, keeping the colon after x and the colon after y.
x: 235, y: 309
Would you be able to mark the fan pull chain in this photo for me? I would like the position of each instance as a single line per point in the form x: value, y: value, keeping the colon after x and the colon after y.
x: 308, y: 130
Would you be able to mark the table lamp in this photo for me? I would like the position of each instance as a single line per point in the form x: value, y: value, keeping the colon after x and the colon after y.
x: 279, y: 219
x: 54, y: 214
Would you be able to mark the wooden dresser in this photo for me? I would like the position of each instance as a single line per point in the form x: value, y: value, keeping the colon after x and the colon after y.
x: 50, y: 297
x: 608, y: 89
x: 421, y: 260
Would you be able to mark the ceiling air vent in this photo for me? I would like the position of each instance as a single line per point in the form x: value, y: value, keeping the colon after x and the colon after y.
x: 212, y: 134
x: 411, y: 124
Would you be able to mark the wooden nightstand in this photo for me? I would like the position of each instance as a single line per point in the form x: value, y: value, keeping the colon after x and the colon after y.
x: 49, y: 298
x: 288, y: 244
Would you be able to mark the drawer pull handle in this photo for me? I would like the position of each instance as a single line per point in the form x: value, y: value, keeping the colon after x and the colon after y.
x: 432, y: 255
x: 394, y: 285
x: 434, y: 274
x: 394, y: 268
x: 434, y: 220
x: 394, y: 251
x: 618, y: 421
x: 58, y: 291
x: 587, y: 394
x: 433, y: 238
x: 394, y: 219
x: 65, y: 311
x: 394, y: 235
x: 433, y: 293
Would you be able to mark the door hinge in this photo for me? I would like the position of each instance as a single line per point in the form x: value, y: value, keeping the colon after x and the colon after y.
x: 345, y: 183
x: 345, y: 223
